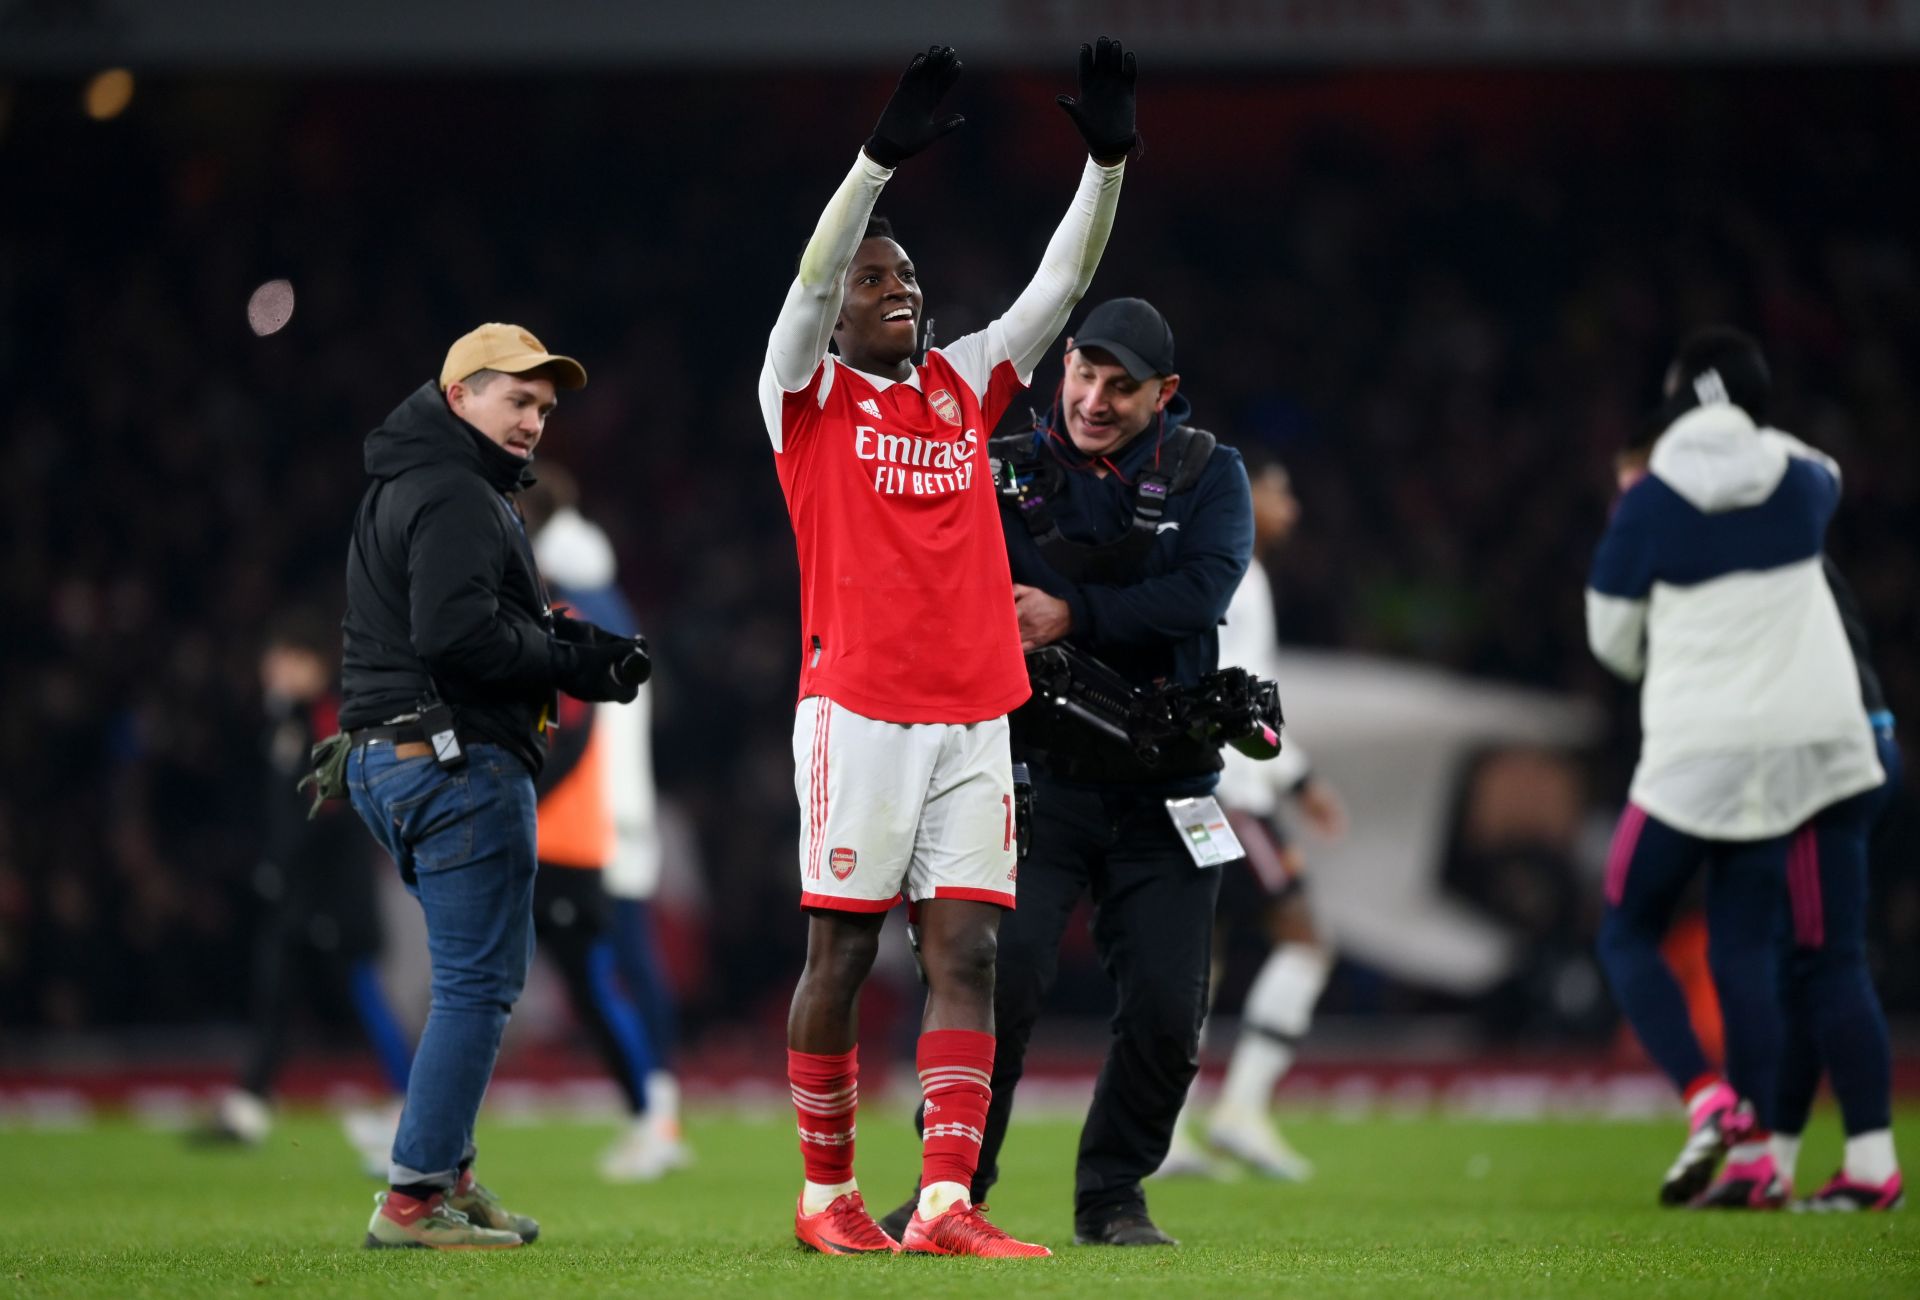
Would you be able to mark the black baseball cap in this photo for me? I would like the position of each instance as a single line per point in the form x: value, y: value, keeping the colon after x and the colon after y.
x: 1134, y: 332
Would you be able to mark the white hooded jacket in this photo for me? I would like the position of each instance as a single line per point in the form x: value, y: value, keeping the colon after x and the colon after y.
x: 575, y: 553
x: 1708, y: 582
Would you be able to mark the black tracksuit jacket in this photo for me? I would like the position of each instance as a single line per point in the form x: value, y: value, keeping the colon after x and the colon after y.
x: 443, y: 595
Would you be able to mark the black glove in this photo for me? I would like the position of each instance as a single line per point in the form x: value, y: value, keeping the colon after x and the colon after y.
x: 906, y: 124
x: 1104, y: 111
x: 606, y: 671
x: 577, y: 631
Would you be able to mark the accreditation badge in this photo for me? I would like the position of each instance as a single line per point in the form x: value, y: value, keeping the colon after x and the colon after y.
x: 1203, y: 828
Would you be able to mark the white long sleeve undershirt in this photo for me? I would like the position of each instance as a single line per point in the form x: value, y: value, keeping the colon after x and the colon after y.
x: 798, y: 343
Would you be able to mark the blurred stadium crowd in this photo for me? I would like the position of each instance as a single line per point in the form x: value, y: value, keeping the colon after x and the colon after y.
x: 1442, y: 296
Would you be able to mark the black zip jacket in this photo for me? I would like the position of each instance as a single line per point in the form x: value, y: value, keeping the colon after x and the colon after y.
x: 1871, y: 693
x: 1164, y: 625
x: 442, y: 588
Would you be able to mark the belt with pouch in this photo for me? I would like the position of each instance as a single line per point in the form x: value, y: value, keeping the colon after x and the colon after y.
x: 410, y: 740
x: 404, y: 737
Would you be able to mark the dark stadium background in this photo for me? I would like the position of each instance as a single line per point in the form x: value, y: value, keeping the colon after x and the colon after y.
x: 1442, y: 291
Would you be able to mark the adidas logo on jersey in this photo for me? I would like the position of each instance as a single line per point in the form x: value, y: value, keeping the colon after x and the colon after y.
x: 870, y: 406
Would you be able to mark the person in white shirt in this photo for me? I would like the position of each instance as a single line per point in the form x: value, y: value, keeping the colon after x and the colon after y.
x: 1270, y: 884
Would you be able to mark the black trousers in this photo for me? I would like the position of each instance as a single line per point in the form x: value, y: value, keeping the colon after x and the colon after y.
x: 571, y: 914
x: 1153, y: 930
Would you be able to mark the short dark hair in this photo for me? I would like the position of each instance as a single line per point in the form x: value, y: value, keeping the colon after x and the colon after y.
x: 1734, y: 356
x: 878, y: 227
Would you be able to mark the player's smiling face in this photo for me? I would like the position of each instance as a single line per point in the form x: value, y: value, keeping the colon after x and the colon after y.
x: 880, y: 314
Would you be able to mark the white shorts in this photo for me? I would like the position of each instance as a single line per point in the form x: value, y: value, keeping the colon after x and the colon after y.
x: 892, y: 810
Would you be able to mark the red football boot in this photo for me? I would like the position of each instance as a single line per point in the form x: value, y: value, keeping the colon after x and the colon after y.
x: 843, y: 1228
x: 964, y: 1230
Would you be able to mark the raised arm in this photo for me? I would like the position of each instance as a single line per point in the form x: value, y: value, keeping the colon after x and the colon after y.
x: 798, y: 343
x: 907, y: 125
x: 1038, y: 315
x: 1104, y: 114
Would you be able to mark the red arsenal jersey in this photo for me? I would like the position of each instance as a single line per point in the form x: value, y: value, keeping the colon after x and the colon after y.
x: 906, y: 603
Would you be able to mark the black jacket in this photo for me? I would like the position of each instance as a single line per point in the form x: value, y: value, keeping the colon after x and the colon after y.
x: 442, y: 589
x: 1871, y: 693
x: 1163, y: 625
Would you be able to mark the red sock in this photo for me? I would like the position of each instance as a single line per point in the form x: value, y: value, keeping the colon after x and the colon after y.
x: 956, y: 1068
x: 826, y: 1090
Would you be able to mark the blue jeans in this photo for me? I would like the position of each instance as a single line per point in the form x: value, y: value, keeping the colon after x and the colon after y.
x: 464, y: 843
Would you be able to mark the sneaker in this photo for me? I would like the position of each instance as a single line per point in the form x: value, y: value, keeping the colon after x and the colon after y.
x: 1253, y: 1140
x: 634, y: 1157
x: 1716, y: 1130
x: 1842, y: 1195
x: 964, y: 1230
x: 1746, y: 1185
x: 472, y: 1198
x: 669, y: 1143
x: 1129, y: 1228
x: 370, y: 1133
x: 241, y: 1119
x: 843, y: 1228
x: 403, y: 1223
x: 1186, y: 1159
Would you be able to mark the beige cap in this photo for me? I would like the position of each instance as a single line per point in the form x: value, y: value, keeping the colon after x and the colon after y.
x: 511, y: 350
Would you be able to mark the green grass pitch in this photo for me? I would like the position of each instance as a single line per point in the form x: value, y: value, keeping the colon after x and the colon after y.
x: 1402, y: 1208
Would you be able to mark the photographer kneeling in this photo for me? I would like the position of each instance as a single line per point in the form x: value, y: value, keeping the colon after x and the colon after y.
x: 1127, y: 532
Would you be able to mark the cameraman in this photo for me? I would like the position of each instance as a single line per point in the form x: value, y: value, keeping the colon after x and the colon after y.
x: 452, y: 660
x: 1127, y: 532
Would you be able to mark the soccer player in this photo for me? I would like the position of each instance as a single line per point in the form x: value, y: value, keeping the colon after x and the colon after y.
x: 1708, y: 584
x: 910, y: 652
x: 1269, y: 884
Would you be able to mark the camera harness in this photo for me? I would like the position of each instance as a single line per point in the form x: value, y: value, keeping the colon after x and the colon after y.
x: 1028, y: 477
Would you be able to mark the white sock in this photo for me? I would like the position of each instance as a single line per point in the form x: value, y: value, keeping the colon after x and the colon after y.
x: 1279, y: 1008
x: 815, y: 1197
x: 1746, y: 1152
x: 663, y: 1099
x: 938, y: 1198
x: 1870, y: 1158
x: 1785, y: 1149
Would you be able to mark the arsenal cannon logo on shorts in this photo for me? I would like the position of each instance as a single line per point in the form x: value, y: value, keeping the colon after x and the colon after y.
x: 841, y: 863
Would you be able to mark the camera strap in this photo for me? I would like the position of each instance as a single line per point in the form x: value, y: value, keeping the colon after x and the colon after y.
x: 1028, y: 478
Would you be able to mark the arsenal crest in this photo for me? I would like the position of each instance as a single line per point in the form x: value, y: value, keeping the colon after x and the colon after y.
x: 841, y: 862
x: 944, y: 406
